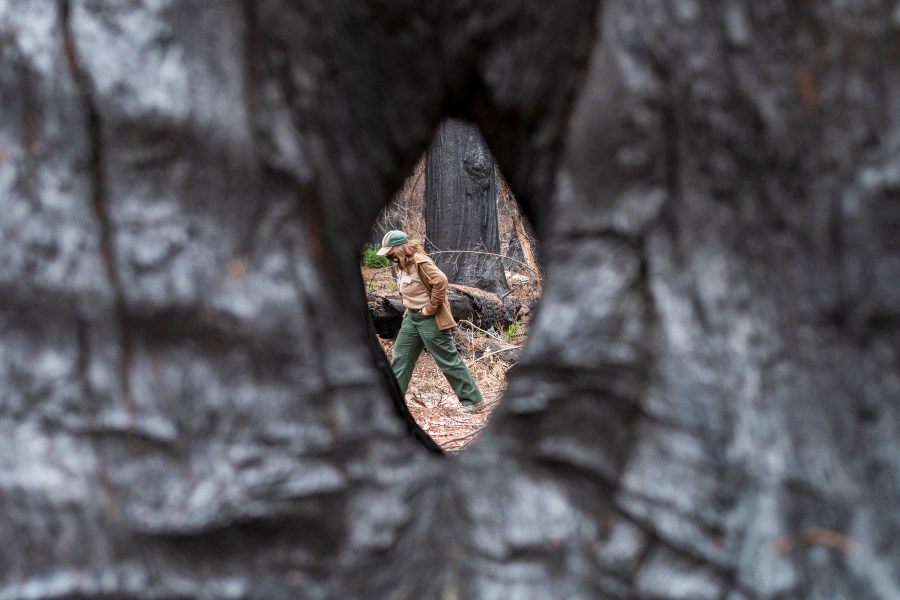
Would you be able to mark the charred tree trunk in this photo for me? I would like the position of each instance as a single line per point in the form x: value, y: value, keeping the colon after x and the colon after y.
x: 520, y: 249
x: 461, y: 207
x: 190, y: 401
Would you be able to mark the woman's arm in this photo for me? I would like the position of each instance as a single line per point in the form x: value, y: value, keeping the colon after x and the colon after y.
x: 437, y: 283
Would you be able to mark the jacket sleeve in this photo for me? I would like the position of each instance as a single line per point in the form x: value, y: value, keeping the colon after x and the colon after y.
x: 436, y: 281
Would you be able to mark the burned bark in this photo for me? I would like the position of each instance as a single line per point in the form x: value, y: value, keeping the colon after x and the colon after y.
x: 191, y: 406
x: 519, y: 248
x: 461, y: 229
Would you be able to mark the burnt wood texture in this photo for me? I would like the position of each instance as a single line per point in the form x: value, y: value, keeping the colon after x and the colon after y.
x: 191, y: 401
x: 461, y: 229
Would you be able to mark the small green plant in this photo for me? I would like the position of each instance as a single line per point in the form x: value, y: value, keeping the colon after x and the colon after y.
x: 511, y: 332
x: 372, y: 260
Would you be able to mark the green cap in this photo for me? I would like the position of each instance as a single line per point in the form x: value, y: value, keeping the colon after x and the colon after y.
x: 391, y: 239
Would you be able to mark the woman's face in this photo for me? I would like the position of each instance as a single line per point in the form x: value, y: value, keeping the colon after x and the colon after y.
x: 392, y: 256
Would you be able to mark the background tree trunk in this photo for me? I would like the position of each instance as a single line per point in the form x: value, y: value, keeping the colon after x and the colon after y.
x: 520, y: 245
x: 461, y: 207
x: 190, y: 402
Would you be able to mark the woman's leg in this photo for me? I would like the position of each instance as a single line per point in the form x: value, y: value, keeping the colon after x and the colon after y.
x: 407, y: 349
x: 441, y: 347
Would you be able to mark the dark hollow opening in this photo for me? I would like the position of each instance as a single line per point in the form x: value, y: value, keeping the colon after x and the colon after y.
x: 457, y: 205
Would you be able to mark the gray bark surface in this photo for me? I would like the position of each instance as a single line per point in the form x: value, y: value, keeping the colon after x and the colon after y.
x: 191, y: 403
x: 461, y: 228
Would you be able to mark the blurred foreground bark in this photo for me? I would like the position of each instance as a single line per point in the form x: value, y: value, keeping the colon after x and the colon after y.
x: 192, y: 405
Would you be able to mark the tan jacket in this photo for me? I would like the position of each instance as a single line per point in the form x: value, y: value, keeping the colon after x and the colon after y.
x: 436, y: 282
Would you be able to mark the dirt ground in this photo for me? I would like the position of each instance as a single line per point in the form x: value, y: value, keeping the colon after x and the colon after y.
x: 430, y: 399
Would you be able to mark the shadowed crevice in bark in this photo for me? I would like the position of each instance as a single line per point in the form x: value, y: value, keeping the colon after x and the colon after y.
x: 252, y: 103
x: 643, y: 555
x: 84, y: 360
x: 100, y: 202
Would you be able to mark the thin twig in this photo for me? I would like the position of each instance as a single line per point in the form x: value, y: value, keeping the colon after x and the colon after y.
x: 462, y: 438
x: 526, y: 265
x: 474, y: 326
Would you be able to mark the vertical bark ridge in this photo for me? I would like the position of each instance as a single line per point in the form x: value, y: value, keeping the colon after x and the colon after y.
x: 100, y: 201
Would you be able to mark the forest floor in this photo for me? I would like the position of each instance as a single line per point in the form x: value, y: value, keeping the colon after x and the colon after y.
x: 429, y: 398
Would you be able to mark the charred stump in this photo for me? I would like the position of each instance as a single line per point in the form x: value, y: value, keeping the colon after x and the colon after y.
x: 461, y: 227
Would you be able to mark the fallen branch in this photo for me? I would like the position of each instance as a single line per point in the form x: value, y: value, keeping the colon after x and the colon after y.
x: 474, y: 326
x: 466, y: 305
x: 490, y: 353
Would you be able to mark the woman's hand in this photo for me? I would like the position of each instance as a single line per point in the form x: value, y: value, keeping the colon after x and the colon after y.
x: 427, y: 311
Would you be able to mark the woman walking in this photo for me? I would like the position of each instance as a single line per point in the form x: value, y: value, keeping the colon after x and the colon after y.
x: 427, y: 321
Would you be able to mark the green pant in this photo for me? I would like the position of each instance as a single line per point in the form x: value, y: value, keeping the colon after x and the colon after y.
x: 418, y: 332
